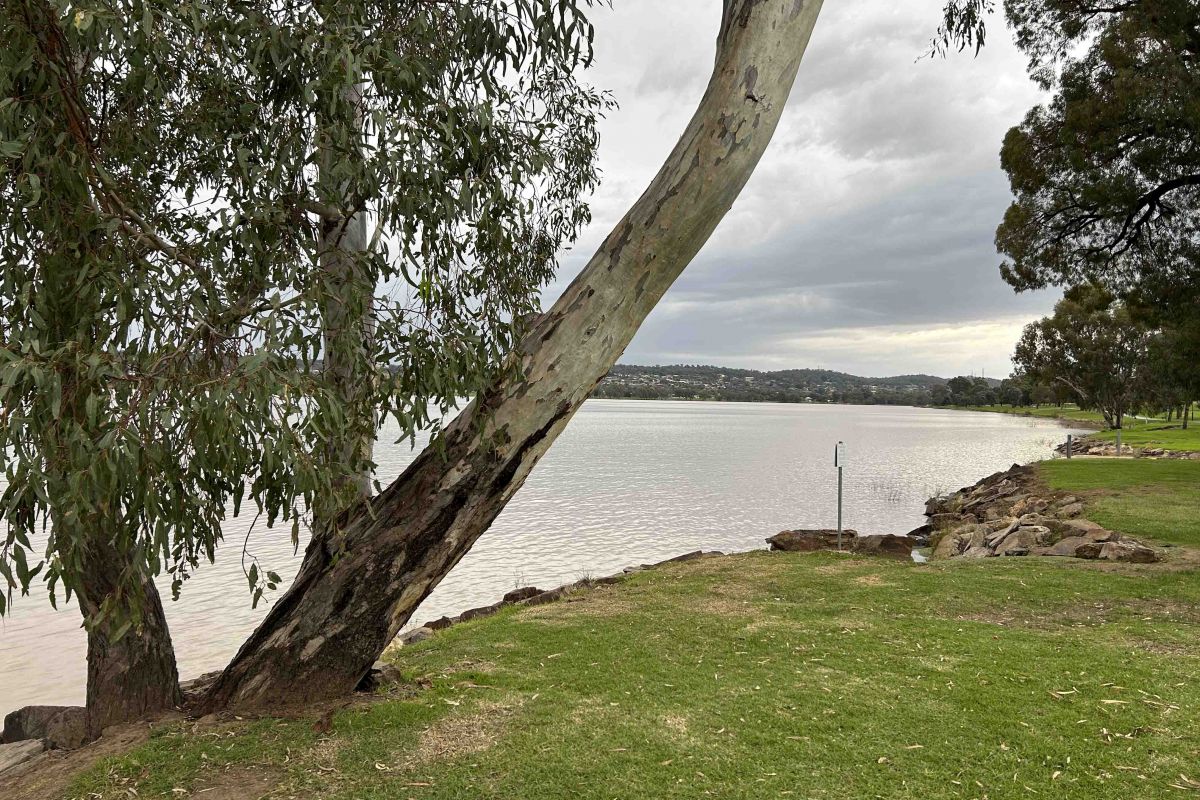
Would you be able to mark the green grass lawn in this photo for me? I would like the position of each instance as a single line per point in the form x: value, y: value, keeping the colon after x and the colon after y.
x: 1067, y: 412
x: 1171, y: 437
x: 757, y: 676
x: 1158, y: 499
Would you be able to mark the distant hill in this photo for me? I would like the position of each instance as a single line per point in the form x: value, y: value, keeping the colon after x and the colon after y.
x: 704, y: 382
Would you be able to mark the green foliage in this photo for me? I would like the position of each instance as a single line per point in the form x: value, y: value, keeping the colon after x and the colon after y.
x: 761, y: 675
x: 162, y: 221
x: 1094, y: 346
x: 1106, y: 176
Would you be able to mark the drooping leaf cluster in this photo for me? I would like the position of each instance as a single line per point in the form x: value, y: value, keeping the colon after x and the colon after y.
x: 1106, y: 176
x: 169, y: 175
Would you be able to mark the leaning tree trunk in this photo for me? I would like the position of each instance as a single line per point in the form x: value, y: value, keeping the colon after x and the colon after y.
x: 358, y: 586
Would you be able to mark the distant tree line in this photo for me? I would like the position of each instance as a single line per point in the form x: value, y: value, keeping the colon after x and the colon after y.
x: 703, y: 382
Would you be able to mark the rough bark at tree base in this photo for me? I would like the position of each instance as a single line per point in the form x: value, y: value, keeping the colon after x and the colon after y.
x: 362, y: 581
x: 133, y: 676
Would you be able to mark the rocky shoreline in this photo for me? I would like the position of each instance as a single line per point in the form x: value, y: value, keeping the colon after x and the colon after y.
x: 1090, y: 447
x: 1012, y: 513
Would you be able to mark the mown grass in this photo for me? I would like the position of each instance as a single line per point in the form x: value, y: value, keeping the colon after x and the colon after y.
x: 1156, y: 499
x: 758, y: 676
x: 1067, y: 412
x: 1170, y: 437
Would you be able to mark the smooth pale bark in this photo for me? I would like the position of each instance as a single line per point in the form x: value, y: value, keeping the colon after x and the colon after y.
x: 357, y: 587
x: 347, y: 319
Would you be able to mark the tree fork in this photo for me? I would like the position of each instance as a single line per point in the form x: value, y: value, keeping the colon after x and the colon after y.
x: 360, y: 582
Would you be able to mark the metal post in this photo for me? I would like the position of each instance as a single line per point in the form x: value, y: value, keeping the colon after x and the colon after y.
x: 1070, y: 444
x: 839, y: 509
x: 839, y: 456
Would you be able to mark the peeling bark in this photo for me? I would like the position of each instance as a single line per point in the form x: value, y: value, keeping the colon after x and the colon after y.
x: 361, y: 582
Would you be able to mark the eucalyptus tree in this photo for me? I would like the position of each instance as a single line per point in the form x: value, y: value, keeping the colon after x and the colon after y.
x: 1106, y: 175
x: 187, y: 196
x: 1095, y: 346
x: 361, y: 582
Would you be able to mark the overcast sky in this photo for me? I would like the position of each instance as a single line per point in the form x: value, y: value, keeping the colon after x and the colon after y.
x: 864, y: 241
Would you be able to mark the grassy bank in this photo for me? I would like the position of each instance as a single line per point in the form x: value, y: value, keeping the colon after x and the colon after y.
x: 1158, y: 499
x: 773, y: 675
x: 1137, y: 432
x: 1170, y: 437
x: 1067, y: 413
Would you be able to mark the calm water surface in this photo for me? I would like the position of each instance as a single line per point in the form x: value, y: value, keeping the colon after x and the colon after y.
x: 628, y: 482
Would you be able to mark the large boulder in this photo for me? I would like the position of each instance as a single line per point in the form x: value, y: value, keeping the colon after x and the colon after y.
x: 60, y: 727
x: 948, y: 546
x: 1022, y: 541
x: 1067, y: 548
x: 17, y: 753
x: 887, y: 546
x: 808, y: 541
x: 1131, y: 552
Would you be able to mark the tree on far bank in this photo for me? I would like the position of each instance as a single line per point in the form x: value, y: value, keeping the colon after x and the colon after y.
x: 1092, y: 345
x: 1174, y: 364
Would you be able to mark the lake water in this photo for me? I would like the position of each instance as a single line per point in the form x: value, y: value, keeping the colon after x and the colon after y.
x: 628, y: 482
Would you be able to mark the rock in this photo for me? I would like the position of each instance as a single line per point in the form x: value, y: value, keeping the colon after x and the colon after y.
x: 517, y: 595
x: 1075, y: 527
x: 978, y: 551
x: 417, y: 635
x: 995, y: 513
x: 1028, y: 505
x: 1130, y: 552
x: 888, y: 546
x: 685, y: 557
x: 379, y: 676
x: 476, y: 613
x: 811, y: 540
x: 1072, y: 510
x: 945, y: 520
x: 1089, y: 550
x: 440, y: 623
x: 975, y: 537
x: 545, y: 597
x: 1065, y: 547
x: 61, y: 727
x: 948, y: 545
x: 921, y: 535
x: 1022, y: 541
x: 195, y: 688
x: 14, y: 754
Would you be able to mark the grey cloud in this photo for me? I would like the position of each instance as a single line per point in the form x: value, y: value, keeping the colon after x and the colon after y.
x: 871, y: 218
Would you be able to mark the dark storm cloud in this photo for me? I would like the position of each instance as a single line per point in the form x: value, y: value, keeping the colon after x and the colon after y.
x: 864, y: 240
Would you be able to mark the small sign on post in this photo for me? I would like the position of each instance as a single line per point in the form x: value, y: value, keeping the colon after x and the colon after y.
x: 839, y: 461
